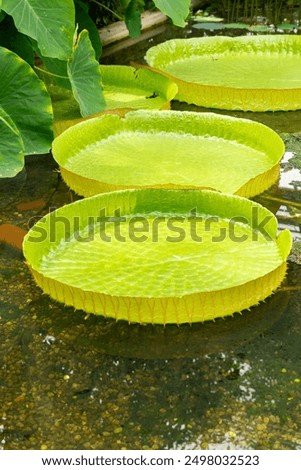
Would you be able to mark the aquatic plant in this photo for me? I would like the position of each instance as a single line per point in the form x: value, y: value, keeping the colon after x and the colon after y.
x: 249, y: 73
x: 170, y: 149
x: 159, y: 256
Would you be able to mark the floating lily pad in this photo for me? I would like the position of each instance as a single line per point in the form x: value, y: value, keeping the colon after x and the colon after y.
x: 169, y: 149
x: 260, y: 28
x: 210, y: 26
x: 159, y: 256
x: 207, y: 19
x: 127, y: 87
x: 215, y: 26
x: 286, y: 27
x: 249, y: 73
x: 124, y: 87
x: 236, y: 26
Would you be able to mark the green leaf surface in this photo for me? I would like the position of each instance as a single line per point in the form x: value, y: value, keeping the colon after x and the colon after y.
x: 11, y: 147
x: 160, y: 149
x: 54, y: 72
x: 84, y: 21
x: 259, y: 28
x: 112, y: 255
x: 244, y: 62
x: 286, y: 27
x: 207, y: 19
x: 50, y: 23
x: 157, y: 262
x: 133, y: 19
x: 85, y: 78
x: 24, y: 97
x: 236, y: 26
x: 124, y: 3
x: 255, y: 73
x: 126, y: 87
x: 15, y: 41
x: 2, y: 14
x: 177, y: 10
x: 209, y: 26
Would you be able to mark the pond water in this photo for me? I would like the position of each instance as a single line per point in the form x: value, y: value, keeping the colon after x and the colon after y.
x: 72, y: 381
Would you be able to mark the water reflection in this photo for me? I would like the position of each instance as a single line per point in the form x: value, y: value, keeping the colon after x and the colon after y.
x: 171, y: 341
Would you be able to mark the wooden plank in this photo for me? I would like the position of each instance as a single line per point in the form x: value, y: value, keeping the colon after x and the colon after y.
x: 118, y: 31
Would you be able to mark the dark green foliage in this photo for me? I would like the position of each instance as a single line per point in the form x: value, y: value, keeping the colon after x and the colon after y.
x: 12, y: 39
x: 107, y: 11
x: 133, y: 19
x: 84, y: 21
x: 64, y: 37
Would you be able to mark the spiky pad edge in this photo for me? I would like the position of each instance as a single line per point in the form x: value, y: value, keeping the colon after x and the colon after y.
x: 187, y: 309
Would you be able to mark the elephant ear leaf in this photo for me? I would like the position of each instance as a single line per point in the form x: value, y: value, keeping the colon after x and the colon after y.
x: 177, y: 10
x: 85, y: 77
x: 11, y: 147
x: 133, y: 19
x: 24, y: 99
x: 51, y: 24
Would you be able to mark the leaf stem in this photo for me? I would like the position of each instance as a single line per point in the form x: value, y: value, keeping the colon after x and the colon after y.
x: 64, y: 77
x: 108, y: 9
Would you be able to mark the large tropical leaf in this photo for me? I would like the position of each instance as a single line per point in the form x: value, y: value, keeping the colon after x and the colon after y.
x: 159, y: 256
x: 57, y: 68
x: 133, y: 19
x: 50, y: 23
x: 177, y: 10
x: 85, y: 78
x: 24, y: 97
x: 11, y: 147
x: 169, y: 149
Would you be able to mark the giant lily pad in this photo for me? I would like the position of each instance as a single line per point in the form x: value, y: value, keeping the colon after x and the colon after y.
x: 124, y: 87
x: 127, y: 87
x: 250, y: 73
x: 159, y: 256
x: 169, y: 149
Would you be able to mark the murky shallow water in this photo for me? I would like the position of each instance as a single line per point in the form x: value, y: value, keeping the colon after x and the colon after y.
x: 69, y: 381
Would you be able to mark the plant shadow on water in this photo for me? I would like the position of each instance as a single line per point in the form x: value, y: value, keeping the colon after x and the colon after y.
x: 74, y: 382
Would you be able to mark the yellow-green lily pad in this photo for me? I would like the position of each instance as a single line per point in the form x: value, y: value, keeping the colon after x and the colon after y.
x: 249, y: 73
x: 169, y: 149
x: 159, y: 256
